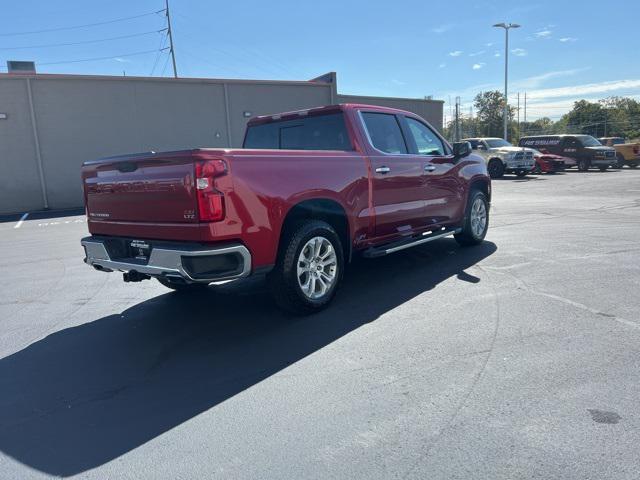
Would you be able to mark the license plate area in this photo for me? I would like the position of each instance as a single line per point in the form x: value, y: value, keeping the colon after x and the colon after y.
x: 129, y: 250
x: 139, y: 250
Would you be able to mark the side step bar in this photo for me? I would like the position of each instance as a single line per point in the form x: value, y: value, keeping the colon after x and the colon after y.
x: 388, y: 248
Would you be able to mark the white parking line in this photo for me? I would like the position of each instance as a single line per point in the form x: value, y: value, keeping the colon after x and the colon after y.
x: 22, y: 219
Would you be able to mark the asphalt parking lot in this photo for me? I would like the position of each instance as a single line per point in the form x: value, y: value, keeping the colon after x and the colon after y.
x: 519, y: 358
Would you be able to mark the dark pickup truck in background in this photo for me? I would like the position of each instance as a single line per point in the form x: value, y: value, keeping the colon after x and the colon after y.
x: 308, y: 191
x: 587, y: 151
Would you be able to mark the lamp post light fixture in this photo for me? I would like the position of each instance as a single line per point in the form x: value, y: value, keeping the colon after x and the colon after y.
x: 507, y: 27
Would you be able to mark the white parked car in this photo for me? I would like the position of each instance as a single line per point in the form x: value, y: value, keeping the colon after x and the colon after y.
x: 502, y: 157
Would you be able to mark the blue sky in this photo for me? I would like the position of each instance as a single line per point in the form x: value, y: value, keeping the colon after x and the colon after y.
x: 564, y: 51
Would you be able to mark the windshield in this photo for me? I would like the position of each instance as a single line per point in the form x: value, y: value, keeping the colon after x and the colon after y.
x: 588, y: 141
x: 497, y: 143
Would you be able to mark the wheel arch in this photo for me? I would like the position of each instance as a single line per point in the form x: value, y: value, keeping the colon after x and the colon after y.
x: 325, y: 209
x: 483, y: 184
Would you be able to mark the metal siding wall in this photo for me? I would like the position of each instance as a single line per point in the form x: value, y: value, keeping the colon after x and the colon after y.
x: 19, y: 180
x: 79, y: 121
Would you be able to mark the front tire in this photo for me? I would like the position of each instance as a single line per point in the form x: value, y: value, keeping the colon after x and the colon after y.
x: 476, y: 220
x: 620, y: 159
x: 522, y: 173
x: 309, y: 268
x: 495, y: 168
x: 583, y: 164
x: 602, y: 169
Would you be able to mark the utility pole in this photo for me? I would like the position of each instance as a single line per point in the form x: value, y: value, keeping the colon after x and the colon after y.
x: 170, y: 33
x: 507, y: 27
x: 457, y: 138
x: 518, y: 115
x: 525, y: 107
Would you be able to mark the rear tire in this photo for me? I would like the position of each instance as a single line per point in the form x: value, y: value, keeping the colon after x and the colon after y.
x: 495, y: 168
x: 602, y: 169
x: 522, y: 173
x: 620, y: 159
x: 183, y: 287
x: 633, y: 165
x: 476, y: 220
x: 309, y: 268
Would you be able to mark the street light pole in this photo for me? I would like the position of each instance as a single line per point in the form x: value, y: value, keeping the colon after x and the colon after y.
x: 505, y: 114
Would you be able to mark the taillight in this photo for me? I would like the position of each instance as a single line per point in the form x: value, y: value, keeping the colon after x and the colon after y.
x: 210, y: 200
x: 636, y: 149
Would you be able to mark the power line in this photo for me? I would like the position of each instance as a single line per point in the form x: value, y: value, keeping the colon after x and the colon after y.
x: 102, y: 58
x: 163, y: 40
x: 58, y: 29
x: 166, y: 62
x: 84, y: 42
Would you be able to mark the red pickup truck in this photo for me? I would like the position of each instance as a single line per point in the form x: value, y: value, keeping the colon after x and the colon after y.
x: 309, y: 190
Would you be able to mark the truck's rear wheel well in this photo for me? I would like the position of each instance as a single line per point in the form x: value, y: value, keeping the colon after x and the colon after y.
x: 326, y: 210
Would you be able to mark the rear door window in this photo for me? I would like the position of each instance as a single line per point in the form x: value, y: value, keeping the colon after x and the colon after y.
x: 384, y: 132
x: 316, y: 132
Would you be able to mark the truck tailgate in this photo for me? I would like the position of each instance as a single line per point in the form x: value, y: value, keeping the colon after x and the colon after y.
x: 142, y: 188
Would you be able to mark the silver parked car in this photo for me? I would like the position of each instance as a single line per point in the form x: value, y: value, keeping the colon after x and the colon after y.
x: 502, y: 157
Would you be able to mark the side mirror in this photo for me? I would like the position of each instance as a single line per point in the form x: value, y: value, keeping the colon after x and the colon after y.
x: 461, y: 150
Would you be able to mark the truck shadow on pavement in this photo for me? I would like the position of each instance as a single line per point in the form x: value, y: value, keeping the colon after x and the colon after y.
x: 85, y: 395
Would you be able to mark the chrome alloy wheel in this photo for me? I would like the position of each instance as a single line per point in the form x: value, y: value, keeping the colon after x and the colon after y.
x: 478, y: 217
x: 317, y: 267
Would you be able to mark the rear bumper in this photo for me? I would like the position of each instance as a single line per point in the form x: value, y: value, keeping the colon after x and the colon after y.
x: 192, y: 263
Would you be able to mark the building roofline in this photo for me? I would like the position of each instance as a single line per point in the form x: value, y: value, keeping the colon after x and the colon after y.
x: 391, y: 98
x: 56, y: 76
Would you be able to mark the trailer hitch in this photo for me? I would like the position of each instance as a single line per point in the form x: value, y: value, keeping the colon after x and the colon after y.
x: 134, y: 276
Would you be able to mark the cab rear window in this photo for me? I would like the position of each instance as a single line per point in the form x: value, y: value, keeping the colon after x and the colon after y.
x: 317, y: 132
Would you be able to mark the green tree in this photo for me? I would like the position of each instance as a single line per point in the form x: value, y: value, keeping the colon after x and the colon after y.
x: 586, y: 117
x: 490, y: 114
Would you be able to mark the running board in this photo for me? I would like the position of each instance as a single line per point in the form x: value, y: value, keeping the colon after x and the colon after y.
x: 388, y: 248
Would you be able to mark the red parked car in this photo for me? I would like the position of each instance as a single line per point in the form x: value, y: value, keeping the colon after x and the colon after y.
x: 550, y: 163
x: 308, y: 192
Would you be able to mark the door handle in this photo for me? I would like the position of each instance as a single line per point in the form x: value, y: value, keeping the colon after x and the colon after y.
x: 383, y: 169
x: 429, y: 168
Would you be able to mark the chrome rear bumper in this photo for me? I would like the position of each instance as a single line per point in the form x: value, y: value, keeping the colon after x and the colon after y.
x: 172, y: 260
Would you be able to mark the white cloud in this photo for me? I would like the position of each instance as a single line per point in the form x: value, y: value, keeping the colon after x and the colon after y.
x: 490, y: 44
x: 568, y: 39
x: 555, y: 109
x: 455, y: 53
x: 602, y: 88
x: 397, y: 82
x: 519, y: 52
x: 122, y: 60
x: 442, y: 65
x: 442, y: 28
x: 543, y: 33
x: 478, y: 66
x: 497, y: 54
x: 475, y: 54
x: 537, y: 80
